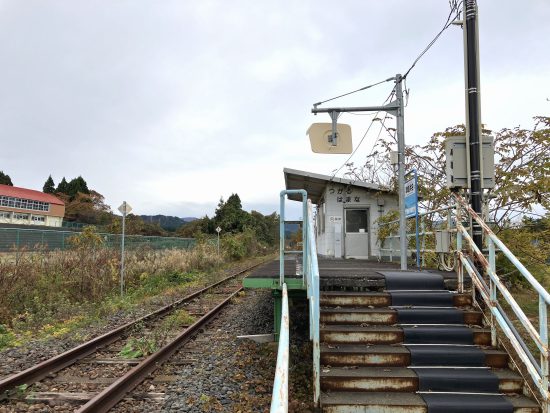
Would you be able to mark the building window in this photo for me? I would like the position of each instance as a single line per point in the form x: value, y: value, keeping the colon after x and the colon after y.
x: 21, y: 216
x: 356, y: 220
x: 22, y: 203
x: 38, y: 218
x: 4, y: 215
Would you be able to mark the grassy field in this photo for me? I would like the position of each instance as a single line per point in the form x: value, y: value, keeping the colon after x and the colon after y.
x: 53, y: 293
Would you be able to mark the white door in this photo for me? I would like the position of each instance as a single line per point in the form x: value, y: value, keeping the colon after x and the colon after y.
x: 357, y: 233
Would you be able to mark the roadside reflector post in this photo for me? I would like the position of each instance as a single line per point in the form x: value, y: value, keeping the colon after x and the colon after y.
x: 124, y: 209
x: 218, y: 230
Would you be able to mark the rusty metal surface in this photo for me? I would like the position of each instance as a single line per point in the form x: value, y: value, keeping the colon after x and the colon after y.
x: 384, y: 316
x: 375, y: 355
x: 56, y: 363
x: 351, y: 299
x: 371, y: 402
x: 342, y: 334
x: 370, y: 379
x: 377, y: 299
x: 399, y: 379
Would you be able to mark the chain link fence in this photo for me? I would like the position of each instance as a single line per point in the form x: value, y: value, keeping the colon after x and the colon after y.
x: 13, y: 239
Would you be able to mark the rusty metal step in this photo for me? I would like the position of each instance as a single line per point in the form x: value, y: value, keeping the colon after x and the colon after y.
x: 400, y: 379
x: 390, y: 316
x: 382, y: 402
x: 402, y: 355
x: 357, y: 334
x: 377, y: 299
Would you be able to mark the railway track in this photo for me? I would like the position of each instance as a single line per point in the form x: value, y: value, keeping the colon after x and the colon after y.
x: 96, y: 375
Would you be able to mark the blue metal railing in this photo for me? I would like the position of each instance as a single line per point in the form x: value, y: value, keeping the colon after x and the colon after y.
x: 392, y: 239
x: 490, y: 292
x: 279, y: 401
x: 310, y: 279
x: 490, y: 288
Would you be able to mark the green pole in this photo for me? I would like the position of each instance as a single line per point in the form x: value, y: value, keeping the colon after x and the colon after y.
x: 278, y: 306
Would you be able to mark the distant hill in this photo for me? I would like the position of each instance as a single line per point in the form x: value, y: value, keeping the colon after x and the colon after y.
x: 167, y: 222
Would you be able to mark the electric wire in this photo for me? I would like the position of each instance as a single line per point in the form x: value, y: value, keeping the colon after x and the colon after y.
x: 392, y: 93
x: 450, y: 19
x: 454, y: 9
x: 383, y: 126
x: 354, y: 91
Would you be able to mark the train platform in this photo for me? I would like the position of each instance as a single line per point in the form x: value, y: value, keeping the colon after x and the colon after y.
x: 334, y: 273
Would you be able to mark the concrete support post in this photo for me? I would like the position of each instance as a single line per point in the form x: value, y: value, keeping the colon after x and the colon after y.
x: 400, y: 128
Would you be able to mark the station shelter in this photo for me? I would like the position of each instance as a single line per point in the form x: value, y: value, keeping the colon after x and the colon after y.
x: 347, y: 212
x: 345, y: 227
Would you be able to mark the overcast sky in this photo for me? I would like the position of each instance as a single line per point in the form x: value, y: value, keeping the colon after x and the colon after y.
x: 172, y: 104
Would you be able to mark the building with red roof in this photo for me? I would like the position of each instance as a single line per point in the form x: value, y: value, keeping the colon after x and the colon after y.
x: 28, y: 207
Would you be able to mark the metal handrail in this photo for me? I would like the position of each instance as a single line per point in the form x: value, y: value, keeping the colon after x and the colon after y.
x: 310, y: 277
x: 490, y: 292
x: 421, y: 233
x: 282, y: 251
x: 490, y: 289
x: 279, y: 399
x: 313, y: 280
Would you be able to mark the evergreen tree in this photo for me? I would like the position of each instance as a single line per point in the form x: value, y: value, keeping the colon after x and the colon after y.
x: 63, y: 187
x: 230, y: 215
x: 5, y: 179
x: 49, y: 186
x: 77, y: 185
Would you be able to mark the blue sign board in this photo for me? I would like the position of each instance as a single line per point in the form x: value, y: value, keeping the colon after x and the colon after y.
x: 411, y: 207
x: 411, y: 197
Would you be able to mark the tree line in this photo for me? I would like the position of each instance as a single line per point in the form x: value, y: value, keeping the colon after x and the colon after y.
x: 87, y: 206
x: 232, y: 219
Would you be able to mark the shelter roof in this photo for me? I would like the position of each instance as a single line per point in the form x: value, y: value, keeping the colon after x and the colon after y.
x: 315, y: 184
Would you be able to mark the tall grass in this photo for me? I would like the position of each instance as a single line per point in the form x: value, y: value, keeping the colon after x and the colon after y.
x: 51, y: 282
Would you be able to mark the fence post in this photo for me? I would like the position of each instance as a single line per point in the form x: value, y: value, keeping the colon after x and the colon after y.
x: 459, y: 250
x: 543, y: 331
x: 423, y: 229
x: 493, y: 289
x: 17, y: 246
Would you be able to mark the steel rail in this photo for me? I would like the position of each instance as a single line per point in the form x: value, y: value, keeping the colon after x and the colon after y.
x: 56, y: 363
x: 111, y: 395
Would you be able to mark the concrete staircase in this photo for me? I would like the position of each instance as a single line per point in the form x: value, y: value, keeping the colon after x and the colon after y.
x: 415, y: 346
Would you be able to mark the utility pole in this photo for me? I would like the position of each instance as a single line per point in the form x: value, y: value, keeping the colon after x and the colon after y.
x: 400, y: 128
x: 473, y: 113
x: 395, y: 108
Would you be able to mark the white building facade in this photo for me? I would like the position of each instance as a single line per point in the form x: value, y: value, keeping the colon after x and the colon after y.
x: 347, y: 213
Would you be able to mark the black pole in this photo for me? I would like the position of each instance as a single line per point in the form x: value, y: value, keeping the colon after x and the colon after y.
x: 472, y: 93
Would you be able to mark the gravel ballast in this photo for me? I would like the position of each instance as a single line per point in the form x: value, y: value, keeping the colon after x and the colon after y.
x: 217, y: 372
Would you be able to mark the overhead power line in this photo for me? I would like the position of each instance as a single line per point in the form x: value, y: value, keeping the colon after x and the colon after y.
x: 364, y: 135
x: 354, y: 91
x: 455, y: 9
